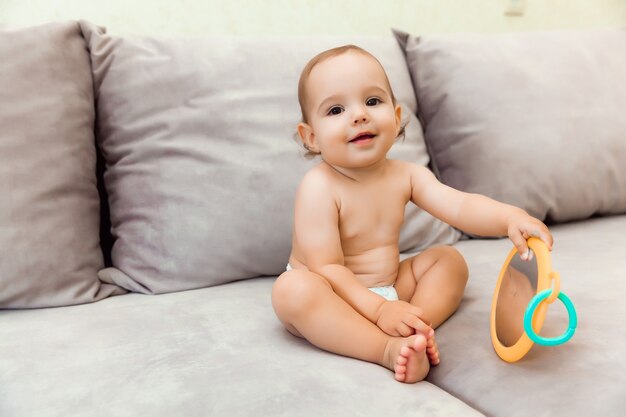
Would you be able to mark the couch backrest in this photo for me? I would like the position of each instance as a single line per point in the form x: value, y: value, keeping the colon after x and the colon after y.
x: 202, y: 166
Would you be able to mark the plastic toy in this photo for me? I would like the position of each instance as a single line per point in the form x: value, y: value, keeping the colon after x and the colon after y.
x: 521, y: 298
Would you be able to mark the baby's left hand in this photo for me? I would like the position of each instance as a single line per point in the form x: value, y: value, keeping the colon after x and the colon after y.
x: 525, y: 226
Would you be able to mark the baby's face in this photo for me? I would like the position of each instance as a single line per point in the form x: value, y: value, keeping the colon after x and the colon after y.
x: 352, y: 120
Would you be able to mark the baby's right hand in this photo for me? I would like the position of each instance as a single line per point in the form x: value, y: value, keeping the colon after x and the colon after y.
x: 399, y: 318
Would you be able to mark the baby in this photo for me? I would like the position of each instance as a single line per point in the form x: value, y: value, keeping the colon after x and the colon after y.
x: 344, y: 289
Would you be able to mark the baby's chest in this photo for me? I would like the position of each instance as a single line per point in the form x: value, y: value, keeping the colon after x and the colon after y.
x: 376, y: 216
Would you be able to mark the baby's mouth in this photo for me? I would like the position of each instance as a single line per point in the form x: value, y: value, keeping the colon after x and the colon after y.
x: 362, y: 138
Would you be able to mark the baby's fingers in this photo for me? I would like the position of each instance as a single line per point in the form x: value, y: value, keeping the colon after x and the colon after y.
x: 419, y: 326
x: 404, y: 330
x: 520, y: 243
x: 546, y: 236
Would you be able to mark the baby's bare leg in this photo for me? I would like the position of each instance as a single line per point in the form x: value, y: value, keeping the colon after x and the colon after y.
x: 308, y: 307
x: 434, y: 281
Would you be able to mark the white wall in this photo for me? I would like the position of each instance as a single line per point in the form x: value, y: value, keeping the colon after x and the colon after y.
x: 304, y: 17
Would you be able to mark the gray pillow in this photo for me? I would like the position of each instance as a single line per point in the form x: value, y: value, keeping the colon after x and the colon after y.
x: 49, y: 207
x: 202, y: 166
x: 531, y: 119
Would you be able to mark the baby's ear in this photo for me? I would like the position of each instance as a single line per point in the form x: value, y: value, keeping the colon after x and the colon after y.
x: 398, y: 112
x: 305, y: 131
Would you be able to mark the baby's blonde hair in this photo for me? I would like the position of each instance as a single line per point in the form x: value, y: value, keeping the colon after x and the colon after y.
x: 323, y: 56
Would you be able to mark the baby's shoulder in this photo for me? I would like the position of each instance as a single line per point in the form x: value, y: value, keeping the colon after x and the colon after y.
x: 403, y: 170
x: 407, y: 169
x: 315, y: 189
x: 317, y: 178
x: 318, y: 174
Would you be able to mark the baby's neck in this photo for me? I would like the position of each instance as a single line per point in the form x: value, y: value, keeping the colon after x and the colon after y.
x: 362, y: 174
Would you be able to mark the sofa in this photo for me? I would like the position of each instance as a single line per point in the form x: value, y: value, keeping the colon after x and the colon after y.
x: 147, y: 191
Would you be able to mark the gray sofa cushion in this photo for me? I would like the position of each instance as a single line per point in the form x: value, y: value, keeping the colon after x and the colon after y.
x: 217, y: 351
x: 221, y: 351
x: 583, y: 377
x: 531, y: 119
x: 201, y: 162
x: 49, y: 207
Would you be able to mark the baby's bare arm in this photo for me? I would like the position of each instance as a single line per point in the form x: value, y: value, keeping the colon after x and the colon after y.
x: 474, y: 213
x: 316, y: 228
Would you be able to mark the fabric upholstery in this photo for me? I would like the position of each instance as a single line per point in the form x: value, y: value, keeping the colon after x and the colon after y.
x: 584, y: 376
x: 221, y: 351
x: 49, y: 207
x: 531, y: 119
x: 201, y: 163
x: 216, y: 351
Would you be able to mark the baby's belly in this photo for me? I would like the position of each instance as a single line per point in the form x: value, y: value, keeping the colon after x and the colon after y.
x: 375, y: 267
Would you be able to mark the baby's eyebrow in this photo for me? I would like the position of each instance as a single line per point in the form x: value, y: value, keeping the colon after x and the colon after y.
x: 334, y: 98
x: 378, y: 89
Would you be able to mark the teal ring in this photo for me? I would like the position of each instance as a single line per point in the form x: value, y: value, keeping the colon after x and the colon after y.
x: 530, y: 312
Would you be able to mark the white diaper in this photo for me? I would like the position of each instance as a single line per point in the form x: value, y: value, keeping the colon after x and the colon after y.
x: 288, y: 268
x: 387, y: 292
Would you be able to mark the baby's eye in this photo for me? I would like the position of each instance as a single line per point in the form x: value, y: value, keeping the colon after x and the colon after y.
x: 335, y: 110
x: 373, y: 101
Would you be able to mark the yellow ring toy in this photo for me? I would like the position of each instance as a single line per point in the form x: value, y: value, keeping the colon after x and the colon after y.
x: 519, y: 343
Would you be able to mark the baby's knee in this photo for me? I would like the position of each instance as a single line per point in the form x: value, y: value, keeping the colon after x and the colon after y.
x: 457, y: 261
x: 293, y: 292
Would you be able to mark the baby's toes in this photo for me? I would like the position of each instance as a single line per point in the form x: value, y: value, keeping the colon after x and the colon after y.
x: 402, y: 360
x: 400, y: 373
x: 405, y: 351
x: 432, y: 350
x: 433, y: 356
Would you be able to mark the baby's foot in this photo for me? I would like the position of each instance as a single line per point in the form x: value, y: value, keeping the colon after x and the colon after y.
x: 432, y: 350
x: 407, y: 358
